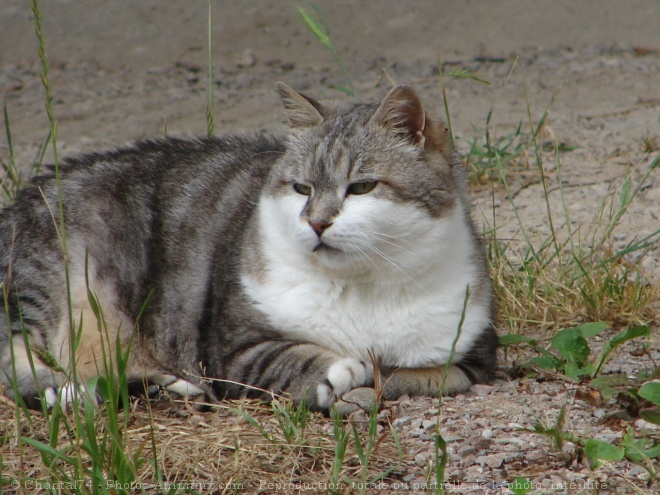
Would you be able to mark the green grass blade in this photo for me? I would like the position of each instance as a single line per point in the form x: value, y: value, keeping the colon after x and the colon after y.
x: 465, y: 74
x: 616, y: 341
x: 254, y: 423
x: 210, y: 121
x: 321, y: 33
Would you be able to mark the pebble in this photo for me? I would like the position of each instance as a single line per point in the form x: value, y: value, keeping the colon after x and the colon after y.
x: 480, y: 442
x: 474, y: 472
x: 509, y: 440
x: 427, y: 424
x: 361, y: 398
x: 599, y: 413
x: 246, y: 59
x: 483, y: 422
x: 421, y: 434
x: 466, y: 450
x: 636, y: 471
x: 487, y: 433
x: 404, y: 421
x: 481, y: 390
x: 495, y: 461
x: 645, y: 425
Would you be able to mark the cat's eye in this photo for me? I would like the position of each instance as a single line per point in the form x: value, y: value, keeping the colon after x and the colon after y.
x: 303, y: 189
x: 361, y: 187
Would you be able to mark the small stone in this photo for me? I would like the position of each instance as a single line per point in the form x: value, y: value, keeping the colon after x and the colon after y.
x: 535, y: 455
x: 635, y: 471
x: 645, y: 425
x: 466, y: 450
x: 197, y: 420
x: 480, y: 443
x: 246, y: 59
x: 509, y: 440
x: 573, y: 477
x: 420, y: 459
x: 361, y: 398
x: 359, y: 417
x: 427, y: 423
x: 400, y: 422
x: 481, y: 390
x: 384, y: 414
x: 474, y: 472
x: 487, y: 434
x: 483, y: 422
x: 495, y: 461
x: 558, y: 482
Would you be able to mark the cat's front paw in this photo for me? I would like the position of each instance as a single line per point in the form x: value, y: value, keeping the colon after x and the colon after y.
x: 342, y: 376
x: 68, y: 394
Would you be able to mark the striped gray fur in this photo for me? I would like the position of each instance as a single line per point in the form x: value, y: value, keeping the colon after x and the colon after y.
x: 192, y: 227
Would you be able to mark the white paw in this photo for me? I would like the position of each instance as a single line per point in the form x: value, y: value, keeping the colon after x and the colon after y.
x: 177, y: 385
x: 343, y: 375
x: 65, y: 395
x: 184, y: 388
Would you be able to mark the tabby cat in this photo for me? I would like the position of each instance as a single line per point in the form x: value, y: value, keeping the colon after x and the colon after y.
x: 246, y: 266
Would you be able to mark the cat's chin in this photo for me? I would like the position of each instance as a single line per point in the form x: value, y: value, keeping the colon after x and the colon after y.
x: 332, y: 258
x: 324, y: 247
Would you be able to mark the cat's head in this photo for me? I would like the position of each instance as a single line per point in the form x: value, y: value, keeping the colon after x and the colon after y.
x: 360, y: 185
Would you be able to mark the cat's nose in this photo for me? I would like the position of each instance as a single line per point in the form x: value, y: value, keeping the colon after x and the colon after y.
x: 319, y: 226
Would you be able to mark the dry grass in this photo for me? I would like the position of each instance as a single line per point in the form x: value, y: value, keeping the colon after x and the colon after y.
x: 211, y: 452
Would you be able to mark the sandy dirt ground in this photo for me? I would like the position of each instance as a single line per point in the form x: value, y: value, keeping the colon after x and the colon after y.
x: 125, y: 70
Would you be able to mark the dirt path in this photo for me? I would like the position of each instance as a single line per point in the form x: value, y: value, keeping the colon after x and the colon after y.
x: 125, y: 70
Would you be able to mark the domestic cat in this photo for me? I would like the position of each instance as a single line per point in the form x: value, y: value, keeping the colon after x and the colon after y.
x: 274, y: 264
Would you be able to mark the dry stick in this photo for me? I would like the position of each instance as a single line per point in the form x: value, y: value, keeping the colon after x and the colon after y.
x: 623, y: 111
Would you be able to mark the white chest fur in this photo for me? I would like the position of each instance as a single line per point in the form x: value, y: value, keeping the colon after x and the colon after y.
x: 408, y: 312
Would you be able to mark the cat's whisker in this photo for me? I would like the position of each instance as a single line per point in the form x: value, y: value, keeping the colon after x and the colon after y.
x: 394, y: 244
x: 365, y: 255
x: 396, y: 266
x: 396, y: 238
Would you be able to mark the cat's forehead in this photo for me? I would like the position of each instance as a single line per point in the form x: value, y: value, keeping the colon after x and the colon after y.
x: 344, y: 129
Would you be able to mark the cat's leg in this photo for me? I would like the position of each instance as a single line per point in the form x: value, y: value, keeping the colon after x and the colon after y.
x: 16, y: 371
x: 430, y: 382
x: 44, y: 367
x: 476, y: 366
x: 27, y: 367
x: 300, y: 370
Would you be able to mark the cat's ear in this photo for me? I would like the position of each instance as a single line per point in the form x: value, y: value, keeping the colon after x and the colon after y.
x: 301, y: 110
x: 401, y: 112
